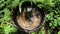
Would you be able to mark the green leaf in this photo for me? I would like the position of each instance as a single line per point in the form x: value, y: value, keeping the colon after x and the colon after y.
x: 15, y: 3
x: 49, y: 2
x: 7, y: 12
x: 33, y: 32
x: 50, y: 24
x: 59, y: 32
x: 55, y: 22
x: 2, y: 5
x: 40, y: 1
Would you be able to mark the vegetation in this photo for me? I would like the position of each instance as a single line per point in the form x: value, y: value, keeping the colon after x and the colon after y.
x: 52, y: 7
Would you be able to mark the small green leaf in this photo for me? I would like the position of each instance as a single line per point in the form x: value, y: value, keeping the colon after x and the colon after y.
x: 59, y: 32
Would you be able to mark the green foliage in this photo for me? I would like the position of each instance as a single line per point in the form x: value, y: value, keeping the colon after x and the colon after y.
x: 6, y: 26
x: 33, y: 33
x: 59, y: 32
x: 52, y: 14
